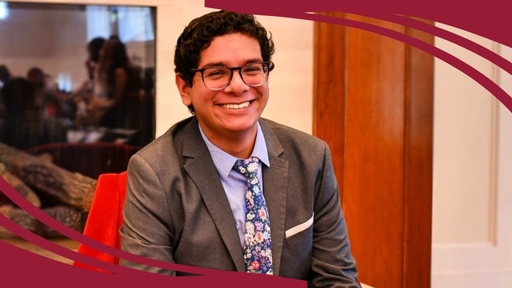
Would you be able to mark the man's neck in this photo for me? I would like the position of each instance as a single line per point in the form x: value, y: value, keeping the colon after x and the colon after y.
x: 237, y: 144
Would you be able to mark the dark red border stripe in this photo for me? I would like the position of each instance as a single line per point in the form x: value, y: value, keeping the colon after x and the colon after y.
x: 465, y: 68
x: 72, y: 234
x: 487, y: 83
x: 452, y: 37
x: 210, y: 275
x: 52, y: 247
x: 491, y: 19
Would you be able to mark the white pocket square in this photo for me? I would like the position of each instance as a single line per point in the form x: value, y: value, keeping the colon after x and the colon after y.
x: 299, y: 228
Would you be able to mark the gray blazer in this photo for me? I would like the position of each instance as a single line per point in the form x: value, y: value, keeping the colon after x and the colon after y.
x: 176, y: 208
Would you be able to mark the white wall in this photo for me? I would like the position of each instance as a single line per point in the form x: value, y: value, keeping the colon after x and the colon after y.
x: 471, y: 240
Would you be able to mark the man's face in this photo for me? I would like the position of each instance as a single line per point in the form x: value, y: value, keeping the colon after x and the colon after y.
x: 224, y: 113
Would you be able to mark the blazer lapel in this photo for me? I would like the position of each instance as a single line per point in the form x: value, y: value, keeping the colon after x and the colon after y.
x: 275, y: 191
x: 199, y: 165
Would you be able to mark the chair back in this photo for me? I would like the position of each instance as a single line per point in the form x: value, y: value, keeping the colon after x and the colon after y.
x: 105, y: 217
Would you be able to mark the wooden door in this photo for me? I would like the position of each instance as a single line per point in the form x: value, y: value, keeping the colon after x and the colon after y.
x: 373, y: 104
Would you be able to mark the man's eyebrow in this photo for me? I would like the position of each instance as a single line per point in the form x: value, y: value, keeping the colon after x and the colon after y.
x: 222, y: 64
x: 214, y: 64
x: 254, y: 60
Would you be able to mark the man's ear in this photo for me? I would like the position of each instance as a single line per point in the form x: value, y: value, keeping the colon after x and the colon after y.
x: 184, y: 90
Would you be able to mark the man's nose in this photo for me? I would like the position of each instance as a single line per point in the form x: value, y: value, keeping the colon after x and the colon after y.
x: 237, y: 84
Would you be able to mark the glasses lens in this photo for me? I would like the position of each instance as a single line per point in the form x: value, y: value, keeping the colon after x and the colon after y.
x: 216, y: 77
x: 255, y: 74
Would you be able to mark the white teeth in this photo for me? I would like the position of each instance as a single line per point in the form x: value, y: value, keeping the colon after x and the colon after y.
x: 236, y: 106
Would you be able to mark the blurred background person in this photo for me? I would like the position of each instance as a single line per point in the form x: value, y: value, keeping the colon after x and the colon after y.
x: 5, y: 75
x: 117, y: 88
x: 93, y: 50
x: 35, y: 76
x: 53, y: 102
x: 84, y: 95
x: 26, y: 126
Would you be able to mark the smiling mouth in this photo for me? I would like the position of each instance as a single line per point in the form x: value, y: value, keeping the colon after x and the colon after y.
x: 237, y: 106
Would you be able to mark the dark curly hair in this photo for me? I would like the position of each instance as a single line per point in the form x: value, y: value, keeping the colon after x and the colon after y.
x: 200, y: 32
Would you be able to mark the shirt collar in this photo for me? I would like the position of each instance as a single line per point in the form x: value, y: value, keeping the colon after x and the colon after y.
x: 224, y: 162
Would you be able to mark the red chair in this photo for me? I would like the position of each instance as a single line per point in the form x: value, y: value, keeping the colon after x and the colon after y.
x: 105, y: 217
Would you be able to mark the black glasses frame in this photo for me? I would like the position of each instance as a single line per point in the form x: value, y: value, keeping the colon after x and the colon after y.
x: 270, y: 66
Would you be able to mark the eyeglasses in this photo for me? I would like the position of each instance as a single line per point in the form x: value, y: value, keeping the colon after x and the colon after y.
x: 218, y: 77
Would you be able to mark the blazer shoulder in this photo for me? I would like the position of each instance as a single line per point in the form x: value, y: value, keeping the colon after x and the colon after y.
x: 165, y: 148
x: 291, y: 136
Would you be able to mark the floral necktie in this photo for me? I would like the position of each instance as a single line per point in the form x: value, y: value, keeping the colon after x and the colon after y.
x: 257, y: 241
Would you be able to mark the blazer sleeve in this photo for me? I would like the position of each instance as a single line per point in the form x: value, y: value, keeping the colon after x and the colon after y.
x: 146, y: 229
x: 332, y: 262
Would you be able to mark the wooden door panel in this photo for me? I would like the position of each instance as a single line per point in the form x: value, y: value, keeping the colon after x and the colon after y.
x: 374, y: 153
x: 375, y: 111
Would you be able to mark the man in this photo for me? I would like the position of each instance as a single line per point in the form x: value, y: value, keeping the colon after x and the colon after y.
x: 186, y: 195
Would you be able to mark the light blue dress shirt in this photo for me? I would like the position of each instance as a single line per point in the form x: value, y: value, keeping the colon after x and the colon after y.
x: 233, y: 182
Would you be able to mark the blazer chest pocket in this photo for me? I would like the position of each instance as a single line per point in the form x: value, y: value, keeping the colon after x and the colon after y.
x: 299, y: 228
x: 300, y: 234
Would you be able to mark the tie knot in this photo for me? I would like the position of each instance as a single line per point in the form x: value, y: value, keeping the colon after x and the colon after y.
x: 248, y: 167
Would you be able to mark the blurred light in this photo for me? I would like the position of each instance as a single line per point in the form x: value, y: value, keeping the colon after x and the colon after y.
x: 4, y: 10
x: 64, y: 82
